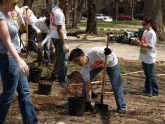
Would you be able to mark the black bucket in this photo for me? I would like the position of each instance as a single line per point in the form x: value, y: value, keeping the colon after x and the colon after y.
x: 44, y: 88
x: 76, y: 106
x: 34, y: 74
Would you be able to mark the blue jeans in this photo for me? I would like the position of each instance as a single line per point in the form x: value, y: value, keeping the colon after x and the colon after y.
x: 47, y: 51
x: 12, y: 82
x: 151, y: 85
x: 115, y: 78
x: 60, y: 63
x: 46, y: 47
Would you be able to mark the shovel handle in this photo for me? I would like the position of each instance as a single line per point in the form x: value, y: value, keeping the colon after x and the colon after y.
x: 27, y: 20
x: 104, y: 69
x: 27, y: 24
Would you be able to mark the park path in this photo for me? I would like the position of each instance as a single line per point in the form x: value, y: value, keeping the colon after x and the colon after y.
x: 125, y: 51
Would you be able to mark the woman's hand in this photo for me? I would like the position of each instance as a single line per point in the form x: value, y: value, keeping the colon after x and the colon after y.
x: 23, y: 67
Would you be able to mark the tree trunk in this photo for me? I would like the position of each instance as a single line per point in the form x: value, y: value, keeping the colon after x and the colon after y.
x: 163, y: 10
x: 91, y: 21
x: 154, y: 9
x: 132, y: 9
x: 28, y: 3
x: 68, y: 25
x: 116, y: 10
x: 75, y: 5
x: 77, y: 12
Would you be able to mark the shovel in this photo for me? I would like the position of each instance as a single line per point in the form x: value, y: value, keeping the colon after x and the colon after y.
x: 27, y: 21
x: 103, y: 108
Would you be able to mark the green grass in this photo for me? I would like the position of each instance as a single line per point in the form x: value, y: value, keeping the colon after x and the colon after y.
x: 99, y: 31
x: 102, y: 25
x: 113, y: 24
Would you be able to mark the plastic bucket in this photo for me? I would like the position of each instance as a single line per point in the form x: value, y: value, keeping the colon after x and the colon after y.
x: 44, y: 88
x: 76, y: 106
x: 34, y: 74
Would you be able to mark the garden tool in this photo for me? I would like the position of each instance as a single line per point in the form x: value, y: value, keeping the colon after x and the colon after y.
x: 27, y: 20
x: 103, y: 108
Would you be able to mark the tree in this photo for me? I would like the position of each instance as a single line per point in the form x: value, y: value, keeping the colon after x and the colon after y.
x: 76, y: 9
x: 116, y: 9
x: 28, y: 3
x: 156, y: 10
x: 91, y: 21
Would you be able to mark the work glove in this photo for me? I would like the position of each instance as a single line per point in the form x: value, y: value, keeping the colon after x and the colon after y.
x: 42, y: 19
x: 107, y: 51
x: 23, y: 67
x: 38, y: 31
x: 91, y: 107
x: 66, y: 48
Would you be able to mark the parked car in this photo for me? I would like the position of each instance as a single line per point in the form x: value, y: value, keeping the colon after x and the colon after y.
x: 83, y: 19
x: 107, y: 19
x: 101, y: 17
x: 139, y: 16
x: 124, y: 17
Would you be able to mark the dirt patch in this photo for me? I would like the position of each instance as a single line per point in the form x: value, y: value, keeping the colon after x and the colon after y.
x: 142, y: 109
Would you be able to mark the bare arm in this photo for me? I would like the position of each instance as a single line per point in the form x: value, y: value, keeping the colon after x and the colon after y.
x: 145, y: 45
x: 88, y: 91
x: 60, y: 34
x: 5, y: 38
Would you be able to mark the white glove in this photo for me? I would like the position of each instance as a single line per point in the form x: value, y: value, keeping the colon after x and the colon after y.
x: 35, y: 28
x: 42, y: 19
x: 66, y: 47
x: 23, y: 67
x: 38, y: 31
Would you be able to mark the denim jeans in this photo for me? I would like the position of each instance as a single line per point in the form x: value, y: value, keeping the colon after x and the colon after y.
x: 32, y: 35
x: 46, y: 47
x: 12, y: 82
x: 151, y: 85
x: 115, y: 78
x: 60, y: 63
x: 47, y: 51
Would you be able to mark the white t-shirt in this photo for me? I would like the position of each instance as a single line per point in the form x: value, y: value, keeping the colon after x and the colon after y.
x: 32, y: 19
x: 57, y: 17
x: 96, y: 60
x: 40, y: 24
x: 31, y: 16
x: 149, y: 55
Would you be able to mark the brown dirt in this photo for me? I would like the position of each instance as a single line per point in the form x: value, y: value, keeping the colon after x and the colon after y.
x: 142, y: 109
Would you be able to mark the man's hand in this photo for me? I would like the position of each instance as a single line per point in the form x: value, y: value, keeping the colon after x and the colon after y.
x: 38, y: 31
x: 66, y: 47
x: 107, y: 51
x: 90, y: 106
x: 23, y: 67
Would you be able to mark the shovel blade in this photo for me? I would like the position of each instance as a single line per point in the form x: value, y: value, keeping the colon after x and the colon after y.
x: 103, y: 109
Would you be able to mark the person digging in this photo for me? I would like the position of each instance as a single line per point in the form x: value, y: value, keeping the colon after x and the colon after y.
x: 91, y: 64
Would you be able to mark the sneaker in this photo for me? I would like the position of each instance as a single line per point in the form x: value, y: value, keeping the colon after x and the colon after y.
x: 122, y: 111
x: 53, y: 78
x: 147, y: 93
x: 94, y: 95
x: 155, y: 94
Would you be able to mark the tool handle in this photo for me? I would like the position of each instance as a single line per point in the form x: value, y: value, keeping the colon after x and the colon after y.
x: 27, y: 20
x: 104, y: 69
